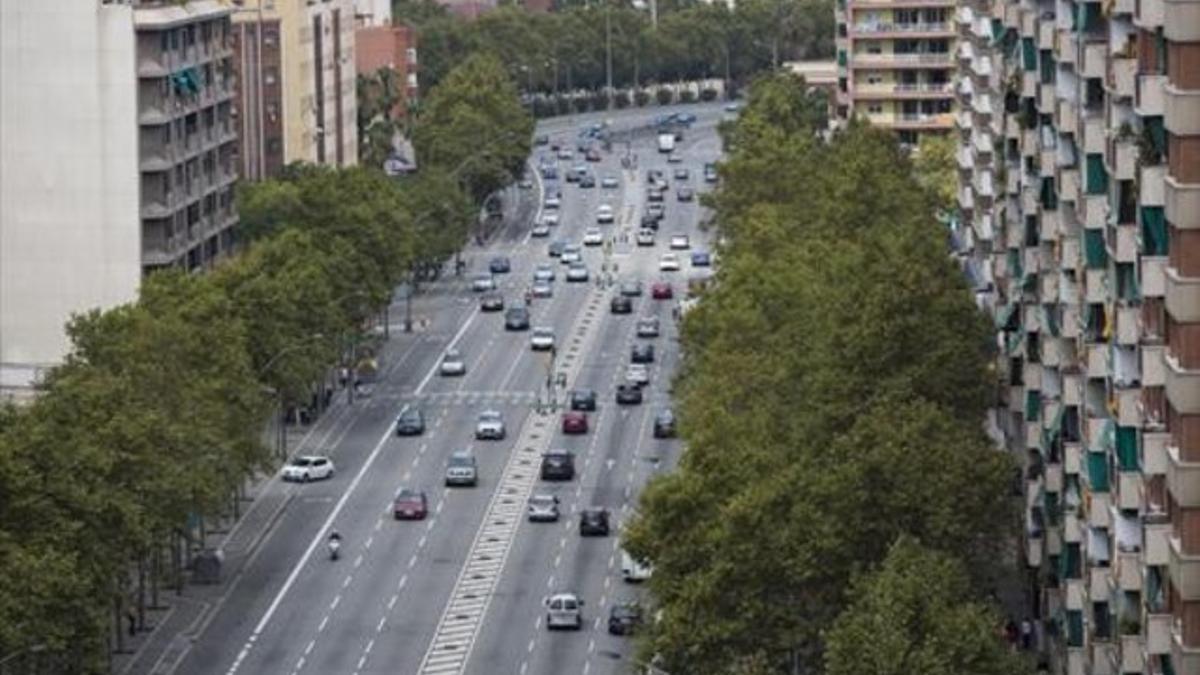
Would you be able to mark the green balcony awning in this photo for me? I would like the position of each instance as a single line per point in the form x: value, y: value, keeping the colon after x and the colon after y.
x: 1004, y: 316
x: 1033, y: 405
x: 997, y: 30
x: 1154, y: 231
x: 842, y: 59
x: 1015, y: 263
x: 1049, y: 194
x: 1097, y: 471
x: 1049, y: 322
x: 1096, y: 178
x: 1048, y: 71
x: 1013, y: 342
x: 1095, y: 255
x: 1029, y: 55
x: 1127, y: 449
x: 1029, y: 281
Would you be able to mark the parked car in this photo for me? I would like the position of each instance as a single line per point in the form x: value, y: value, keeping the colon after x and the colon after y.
x: 410, y: 505
x: 558, y: 465
x: 304, y: 468
x: 632, y: 569
x: 624, y: 618
x: 411, y: 422
x: 664, y: 424
x: 593, y: 522
x: 462, y: 470
x: 574, y: 422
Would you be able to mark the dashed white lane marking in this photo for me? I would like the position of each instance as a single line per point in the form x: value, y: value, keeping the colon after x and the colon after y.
x: 450, y: 648
x: 309, y: 648
x: 324, y: 622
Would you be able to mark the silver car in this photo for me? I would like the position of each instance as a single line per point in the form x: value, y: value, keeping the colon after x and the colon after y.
x: 577, y: 272
x: 543, y: 272
x: 564, y: 610
x: 462, y: 470
x: 490, y: 426
x: 542, y: 339
x: 483, y: 282
x: 543, y: 509
x: 453, y: 364
x: 647, y: 327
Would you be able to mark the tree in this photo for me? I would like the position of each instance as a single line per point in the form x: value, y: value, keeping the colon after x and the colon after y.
x: 937, y: 169
x: 380, y: 95
x: 472, y: 126
x: 915, y: 614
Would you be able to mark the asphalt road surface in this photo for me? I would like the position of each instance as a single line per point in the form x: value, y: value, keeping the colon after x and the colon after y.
x: 462, y: 590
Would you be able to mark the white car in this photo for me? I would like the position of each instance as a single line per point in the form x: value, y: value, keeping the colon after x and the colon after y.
x: 674, y: 158
x: 483, y: 282
x: 637, y: 373
x: 577, y: 272
x: 550, y: 218
x: 593, y: 237
x: 668, y: 262
x: 543, y: 289
x: 632, y: 569
x: 453, y: 364
x: 553, y: 200
x: 564, y: 610
x: 647, y: 327
x: 542, y: 339
x: 490, y: 426
x: 543, y: 508
x: 543, y: 272
x: 304, y: 468
x: 571, y: 255
x: 609, y: 183
x: 645, y: 237
x: 540, y: 230
x: 604, y: 214
x: 680, y: 242
x: 565, y: 154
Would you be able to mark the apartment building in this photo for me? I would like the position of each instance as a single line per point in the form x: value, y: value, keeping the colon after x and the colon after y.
x: 1079, y: 162
x: 295, y: 97
x: 895, y: 64
x: 116, y: 151
x: 394, y: 48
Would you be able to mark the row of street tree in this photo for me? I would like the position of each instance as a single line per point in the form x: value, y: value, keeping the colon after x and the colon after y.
x: 839, y: 507
x: 156, y: 419
x: 566, y: 50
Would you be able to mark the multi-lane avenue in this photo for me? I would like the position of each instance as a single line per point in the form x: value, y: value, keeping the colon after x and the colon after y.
x: 462, y: 590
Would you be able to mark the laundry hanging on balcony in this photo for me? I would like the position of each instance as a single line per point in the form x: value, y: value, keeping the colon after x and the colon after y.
x: 187, y: 82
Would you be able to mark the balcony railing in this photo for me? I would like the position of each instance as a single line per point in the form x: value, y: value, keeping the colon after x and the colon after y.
x: 873, y: 28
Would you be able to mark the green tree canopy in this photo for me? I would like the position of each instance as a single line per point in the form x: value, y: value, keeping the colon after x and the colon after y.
x: 915, y: 614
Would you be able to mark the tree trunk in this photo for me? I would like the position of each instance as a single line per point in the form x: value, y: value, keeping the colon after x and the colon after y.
x: 141, y: 593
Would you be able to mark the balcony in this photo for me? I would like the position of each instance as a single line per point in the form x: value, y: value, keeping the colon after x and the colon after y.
x: 1181, y: 114
x: 1122, y: 76
x: 1158, y: 632
x: 1094, y: 135
x: 1045, y: 34
x: 888, y: 4
x: 1155, y: 459
x: 1068, y: 116
x: 1120, y: 156
x: 868, y: 60
x: 1148, y: 14
x: 923, y: 121
x: 1183, y: 388
x: 907, y: 91
x: 1131, y: 658
x: 1183, y: 482
x: 1182, y: 296
x: 1181, y: 23
x: 1094, y: 54
x: 1185, y: 571
x: 1150, y: 185
x: 1182, y: 203
x: 1148, y: 98
x: 1184, y: 658
x: 901, y: 30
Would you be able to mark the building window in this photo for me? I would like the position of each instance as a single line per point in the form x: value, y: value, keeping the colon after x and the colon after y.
x: 874, y: 108
x: 874, y: 78
x: 270, y: 37
x: 270, y: 75
x: 874, y: 48
x: 411, y: 55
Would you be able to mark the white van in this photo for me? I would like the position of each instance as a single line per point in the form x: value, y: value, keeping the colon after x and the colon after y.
x: 666, y: 142
x: 633, y: 570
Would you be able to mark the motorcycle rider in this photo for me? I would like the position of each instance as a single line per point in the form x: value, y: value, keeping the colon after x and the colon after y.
x: 335, y: 544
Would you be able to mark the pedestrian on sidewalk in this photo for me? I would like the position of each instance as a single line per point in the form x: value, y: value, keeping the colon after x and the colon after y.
x: 1026, y: 634
x: 343, y: 376
x: 131, y: 619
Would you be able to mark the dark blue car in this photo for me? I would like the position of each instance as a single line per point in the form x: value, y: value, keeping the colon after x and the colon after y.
x: 701, y: 259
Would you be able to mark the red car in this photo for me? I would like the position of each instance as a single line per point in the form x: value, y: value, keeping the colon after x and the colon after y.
x: 661, y: 290
x: 574, y: 422
x: 410, y: 505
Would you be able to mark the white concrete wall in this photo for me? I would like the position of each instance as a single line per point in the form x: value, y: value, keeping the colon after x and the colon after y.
x: 70, y: 234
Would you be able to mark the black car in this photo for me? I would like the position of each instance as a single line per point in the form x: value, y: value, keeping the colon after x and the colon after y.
x: 558, y: 465
x: 500, y: 265
x: 642, y: 353
x: 516, y: 318
x: 593, y: 522
x: 624, y: 618
x: 583, y: 399
x: 621, y: 305
x: 555, y: 249
x: 629, y: 394
x: 541, y: 139
x: 653, y: 195
x: 492, y: 302
x: 410, y: 423
x: 631, y: 289
x: 649, y: 221
x: 654, y: 175
x: 664, y: 424
x: 587, y: 180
